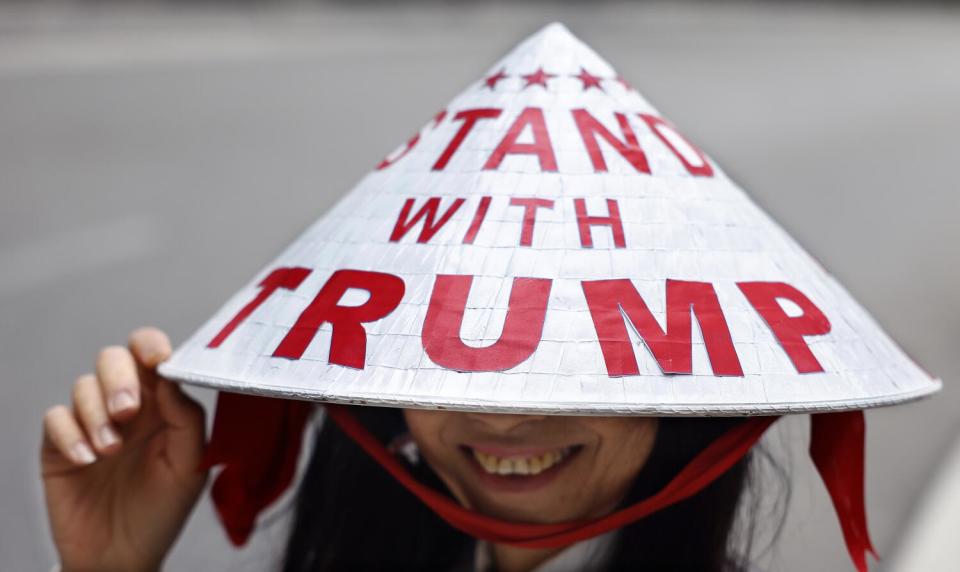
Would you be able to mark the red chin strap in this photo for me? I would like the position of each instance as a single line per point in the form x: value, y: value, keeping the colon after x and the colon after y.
x: 258, y: 440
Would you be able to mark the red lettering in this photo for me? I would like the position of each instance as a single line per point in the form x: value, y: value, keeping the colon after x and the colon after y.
x: 470, y: 117
x: 478, y: 218
x: 629, y: 148
x: 663, y: 130
x: 788, y: 330
x: 348, y: 342
x: 530, y: 207
x: 428, y: 212
x: 522, y: 328
x: 287, y: 278
x: 541, y: 146
x: 402, y: 151
x: 672, y: 349
x: 584, y: 223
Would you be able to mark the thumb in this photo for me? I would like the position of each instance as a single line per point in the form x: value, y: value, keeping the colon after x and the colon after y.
x: 184, y: 427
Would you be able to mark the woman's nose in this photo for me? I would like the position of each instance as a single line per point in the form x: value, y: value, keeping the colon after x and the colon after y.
x: 503, y: 422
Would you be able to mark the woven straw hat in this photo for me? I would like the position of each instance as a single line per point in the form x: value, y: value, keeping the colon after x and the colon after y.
x: 548, y: 242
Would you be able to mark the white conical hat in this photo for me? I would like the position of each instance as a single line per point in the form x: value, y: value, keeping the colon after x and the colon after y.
x: 551, y: 188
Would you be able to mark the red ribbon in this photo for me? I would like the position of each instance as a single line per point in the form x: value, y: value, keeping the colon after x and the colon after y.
x: 258, y: 441
x: 838, y: 452
x: 700, y: 472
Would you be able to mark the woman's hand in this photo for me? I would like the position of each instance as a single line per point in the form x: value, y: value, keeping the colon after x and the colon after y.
x: 120, y: 467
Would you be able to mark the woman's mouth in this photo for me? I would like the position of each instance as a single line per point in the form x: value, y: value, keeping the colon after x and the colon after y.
x: 516, y: 469
x: 524, y: 465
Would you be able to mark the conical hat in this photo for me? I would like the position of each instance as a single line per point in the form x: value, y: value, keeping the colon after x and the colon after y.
x: 550, y: 243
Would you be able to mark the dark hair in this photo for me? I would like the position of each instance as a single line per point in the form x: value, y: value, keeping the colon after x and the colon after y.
x: 351, y: 515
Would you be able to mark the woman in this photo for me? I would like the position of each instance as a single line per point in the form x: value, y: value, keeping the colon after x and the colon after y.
x: 544, y: 245
x: 119, y: 471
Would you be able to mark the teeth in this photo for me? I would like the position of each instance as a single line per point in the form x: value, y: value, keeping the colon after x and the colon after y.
x: 489, y: 462
x: 520, y: 465
x: 536, y: 466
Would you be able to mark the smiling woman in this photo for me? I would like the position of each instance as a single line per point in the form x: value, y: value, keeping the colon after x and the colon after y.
x: 572, y: 388
x: 352, y: 515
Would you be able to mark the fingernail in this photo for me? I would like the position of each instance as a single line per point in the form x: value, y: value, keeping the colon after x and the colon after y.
x: 82, y: 453
x: 106, y: 436
x: 121, y: 401
x: 154, y: 357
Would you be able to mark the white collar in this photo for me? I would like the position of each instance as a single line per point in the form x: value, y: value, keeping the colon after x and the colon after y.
x: 591, y: 555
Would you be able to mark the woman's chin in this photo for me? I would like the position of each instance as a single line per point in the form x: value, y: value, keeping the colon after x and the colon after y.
x: 534, y: 512
x: 545, y: 506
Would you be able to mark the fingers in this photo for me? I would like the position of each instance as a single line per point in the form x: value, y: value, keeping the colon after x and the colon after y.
x: 186, y: 428
x: 114, y: 394
x: 150, y: 347
x: 91, y: 411
x: 61, y: 430
x: 119, y: 381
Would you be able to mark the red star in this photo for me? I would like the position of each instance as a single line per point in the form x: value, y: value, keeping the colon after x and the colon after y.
x: 589, y: 80
x: 492, y: 81
x: 625, y: 84
x: 538, y: 77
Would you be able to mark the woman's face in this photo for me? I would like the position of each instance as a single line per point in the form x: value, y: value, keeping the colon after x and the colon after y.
x: 534, y: 468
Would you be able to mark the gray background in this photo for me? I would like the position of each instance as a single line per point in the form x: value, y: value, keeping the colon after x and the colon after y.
x: 152, y: 158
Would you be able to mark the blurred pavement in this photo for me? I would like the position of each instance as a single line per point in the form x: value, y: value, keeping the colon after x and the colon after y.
x: 152, y: 159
